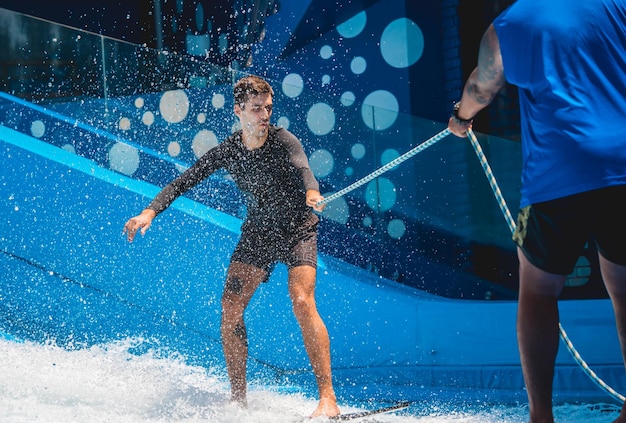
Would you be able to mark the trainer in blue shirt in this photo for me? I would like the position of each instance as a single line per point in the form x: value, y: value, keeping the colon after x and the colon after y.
x: 568, y: 60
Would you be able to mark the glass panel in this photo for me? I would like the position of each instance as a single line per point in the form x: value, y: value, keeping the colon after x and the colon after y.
x: 430, y: 222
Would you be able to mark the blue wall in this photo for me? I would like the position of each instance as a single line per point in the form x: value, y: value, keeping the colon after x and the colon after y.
x: 430, y: 196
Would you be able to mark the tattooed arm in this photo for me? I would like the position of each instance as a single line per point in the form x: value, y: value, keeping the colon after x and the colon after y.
x: 482, y: 85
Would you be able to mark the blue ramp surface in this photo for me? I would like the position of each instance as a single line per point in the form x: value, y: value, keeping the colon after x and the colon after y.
x: 71, y: 276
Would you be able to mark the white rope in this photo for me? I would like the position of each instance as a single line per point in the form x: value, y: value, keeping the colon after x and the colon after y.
x: 423, y: 146
x: 511, y: 223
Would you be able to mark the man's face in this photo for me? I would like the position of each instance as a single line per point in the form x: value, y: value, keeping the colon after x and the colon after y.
x: 255, y: 114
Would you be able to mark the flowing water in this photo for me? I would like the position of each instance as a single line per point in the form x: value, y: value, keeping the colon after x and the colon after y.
x: 111, y: 383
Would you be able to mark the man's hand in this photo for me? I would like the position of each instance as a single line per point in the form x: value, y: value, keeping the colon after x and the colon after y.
x: 312, y: 198
x: 460, y: 130
x: 140, y: 222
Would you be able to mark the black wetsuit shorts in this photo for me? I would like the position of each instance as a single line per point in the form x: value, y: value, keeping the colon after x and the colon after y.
x: 264, y: 247
x: 553, y: 234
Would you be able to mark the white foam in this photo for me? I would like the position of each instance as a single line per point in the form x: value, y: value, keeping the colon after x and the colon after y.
x: 109, y: 383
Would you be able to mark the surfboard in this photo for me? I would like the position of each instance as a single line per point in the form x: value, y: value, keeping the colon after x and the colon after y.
x: 366, y: 413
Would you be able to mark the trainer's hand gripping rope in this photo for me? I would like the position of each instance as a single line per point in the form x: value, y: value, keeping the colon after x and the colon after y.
x: 423, y: 146
x: 511, y: 223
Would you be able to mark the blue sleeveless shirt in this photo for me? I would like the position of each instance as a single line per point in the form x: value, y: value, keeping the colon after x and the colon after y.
x: 568, y: 60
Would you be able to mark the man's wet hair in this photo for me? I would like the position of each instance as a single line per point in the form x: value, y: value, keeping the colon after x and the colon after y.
x: 250, y: 86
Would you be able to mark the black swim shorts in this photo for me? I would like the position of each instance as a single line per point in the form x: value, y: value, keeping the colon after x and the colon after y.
x: 264, y: 247
x: 553, y: 234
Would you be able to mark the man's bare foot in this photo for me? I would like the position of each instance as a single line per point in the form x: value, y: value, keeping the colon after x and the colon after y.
x: 239, y: 401
x: 327, y: 407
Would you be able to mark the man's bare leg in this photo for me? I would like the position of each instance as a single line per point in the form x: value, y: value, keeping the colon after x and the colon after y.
x: 538, y: 335
x: 315, y: 335
x: 241, y: 283
x: 614, y: 277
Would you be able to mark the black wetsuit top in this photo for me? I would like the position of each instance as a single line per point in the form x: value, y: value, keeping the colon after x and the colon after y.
x: 274, y: 178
